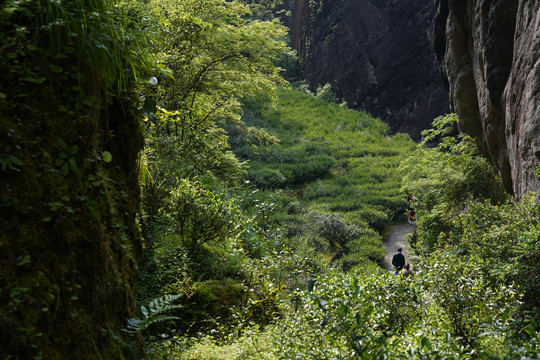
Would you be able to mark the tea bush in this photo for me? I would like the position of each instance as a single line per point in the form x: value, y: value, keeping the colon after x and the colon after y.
x: 471, y: 304
x: 348, y: 316
x: 265, y: 177
x: 504, y: 238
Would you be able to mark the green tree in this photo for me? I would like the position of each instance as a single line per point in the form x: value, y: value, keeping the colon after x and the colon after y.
x: 444, y: 176
x: 199, y: 215
x: 216, y: 57
x: 266, y: 9
x: 503, y: 240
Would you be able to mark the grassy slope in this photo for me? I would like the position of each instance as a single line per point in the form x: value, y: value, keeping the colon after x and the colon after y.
x: 356, y: 315
x: 335, y: 161
x: 337, y: 189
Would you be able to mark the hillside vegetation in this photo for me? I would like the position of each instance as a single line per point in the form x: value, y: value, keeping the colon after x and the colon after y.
x: 309, y: 200
x: 313, y: 289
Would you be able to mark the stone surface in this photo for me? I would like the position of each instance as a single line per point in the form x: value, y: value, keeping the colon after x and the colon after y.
x: 489, y: 55
x: 376, y: 54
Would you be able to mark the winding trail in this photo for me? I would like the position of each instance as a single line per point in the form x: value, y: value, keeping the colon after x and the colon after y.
x: 394, y: 239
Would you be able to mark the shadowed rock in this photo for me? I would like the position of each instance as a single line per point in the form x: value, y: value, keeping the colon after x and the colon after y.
x: 377, y: 56
x: 488, y: 52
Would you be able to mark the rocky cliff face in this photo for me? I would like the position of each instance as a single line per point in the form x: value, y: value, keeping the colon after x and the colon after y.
x: 69, y: 189
x: 376, y: 54
x: 489, y: 54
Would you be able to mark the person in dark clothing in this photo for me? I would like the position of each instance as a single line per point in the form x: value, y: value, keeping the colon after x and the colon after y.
x: 398, y: 261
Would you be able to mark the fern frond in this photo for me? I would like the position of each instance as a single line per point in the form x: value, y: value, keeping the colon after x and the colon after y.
x: 153, y: 313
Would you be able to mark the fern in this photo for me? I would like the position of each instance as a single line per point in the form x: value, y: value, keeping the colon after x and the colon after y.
x: 153, y: 313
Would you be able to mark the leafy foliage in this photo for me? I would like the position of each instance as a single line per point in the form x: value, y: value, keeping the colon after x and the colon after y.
x: 472, y: 243
x: 215, y: 57
x: 444, y: 178
x: 346, y: 317
x: 470, y: 303
x: 266, y: 9
x: 199, y: 215
x: 153, y: 313
x: 473, y: 292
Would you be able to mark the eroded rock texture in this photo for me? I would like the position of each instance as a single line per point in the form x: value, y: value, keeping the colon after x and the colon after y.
x: 376, y: 54
x: 489, y: 54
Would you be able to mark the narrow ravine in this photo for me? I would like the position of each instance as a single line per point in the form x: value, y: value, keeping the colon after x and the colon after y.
x: 394, y: 239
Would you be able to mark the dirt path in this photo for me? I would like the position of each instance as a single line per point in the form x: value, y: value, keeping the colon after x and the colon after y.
x: 394, y: 239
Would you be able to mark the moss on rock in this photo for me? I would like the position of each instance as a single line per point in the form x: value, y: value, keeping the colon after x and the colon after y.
x: 69, y: 243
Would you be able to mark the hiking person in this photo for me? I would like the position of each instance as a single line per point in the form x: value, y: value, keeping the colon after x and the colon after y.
x: 412, y: 217
x: 407, y: 271
x: 398, y: 261
x: 412, y: 212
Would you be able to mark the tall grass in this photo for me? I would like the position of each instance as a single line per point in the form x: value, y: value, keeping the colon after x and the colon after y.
x: 360, y: 156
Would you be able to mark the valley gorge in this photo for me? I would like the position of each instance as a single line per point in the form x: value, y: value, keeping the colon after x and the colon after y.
x: 376, y: 55
x: 408, y: 62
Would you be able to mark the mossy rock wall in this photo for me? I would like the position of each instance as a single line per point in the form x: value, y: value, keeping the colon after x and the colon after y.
x: 69, y: 195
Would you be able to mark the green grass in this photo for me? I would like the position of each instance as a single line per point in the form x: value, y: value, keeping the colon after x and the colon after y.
x: 341, y: 158
x: 320, y: 198
x: 330, y: 161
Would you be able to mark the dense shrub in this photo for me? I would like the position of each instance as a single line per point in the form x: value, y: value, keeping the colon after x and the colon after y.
x: 210, y: 304
x: 364, y: 254
x: 345, y: 317
x: 311, y: 168
x: 320, y: 189
x: 266, y: 177
x: 333, y: 229
x: 199, y: 215
x: 469, y: 303
x: 505, y: 238
x: 522, y: 268
x: 251, y: 346
x: 443, y: 178
x: 179, y: 266
x: 376, y: 218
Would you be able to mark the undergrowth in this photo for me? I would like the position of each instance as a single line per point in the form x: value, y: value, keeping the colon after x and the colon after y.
x: 473, y: 295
